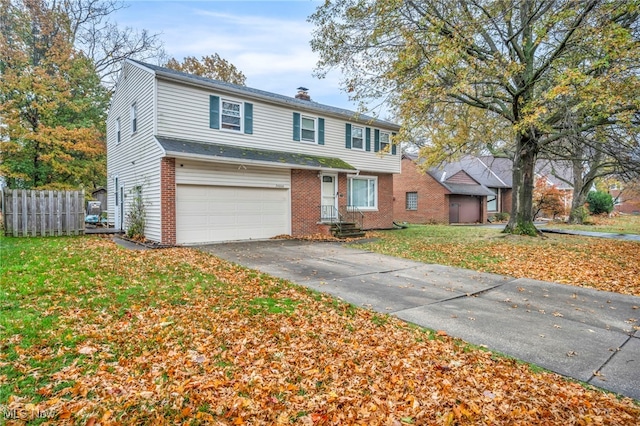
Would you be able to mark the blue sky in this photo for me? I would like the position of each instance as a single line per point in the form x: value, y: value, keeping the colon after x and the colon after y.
x: 267, y: 40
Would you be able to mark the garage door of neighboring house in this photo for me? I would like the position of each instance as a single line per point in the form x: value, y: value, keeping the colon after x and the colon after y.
x: 464, y: 209
x: 228, y: 203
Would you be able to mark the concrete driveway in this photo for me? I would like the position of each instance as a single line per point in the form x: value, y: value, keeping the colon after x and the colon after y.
x: 581, y: 333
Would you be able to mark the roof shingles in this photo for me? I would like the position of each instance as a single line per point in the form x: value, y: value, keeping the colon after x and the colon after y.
x: 187, y: 148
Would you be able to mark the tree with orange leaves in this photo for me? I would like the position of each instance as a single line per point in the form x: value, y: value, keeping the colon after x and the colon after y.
x: 52, y: 105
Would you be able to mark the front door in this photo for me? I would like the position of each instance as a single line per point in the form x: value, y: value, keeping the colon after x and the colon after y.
x: 454, y: 212
x: 329, y: 199
x: 119, y: 203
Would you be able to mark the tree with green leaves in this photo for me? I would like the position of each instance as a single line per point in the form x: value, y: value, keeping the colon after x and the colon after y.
x: 212, y: 66
x: 518, y: 76
x: 52, y: 105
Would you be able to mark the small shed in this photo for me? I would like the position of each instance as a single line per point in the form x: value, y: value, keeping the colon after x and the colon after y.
x: 100, y: 194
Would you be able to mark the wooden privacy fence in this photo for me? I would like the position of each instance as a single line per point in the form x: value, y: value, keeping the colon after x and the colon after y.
x: 43, y: 213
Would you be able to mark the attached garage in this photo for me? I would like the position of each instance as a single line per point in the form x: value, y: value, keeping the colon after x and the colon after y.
x: 219, y: 213
x: 219, y: 202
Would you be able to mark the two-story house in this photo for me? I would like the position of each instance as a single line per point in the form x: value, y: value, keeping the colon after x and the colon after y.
x: 214, y: 161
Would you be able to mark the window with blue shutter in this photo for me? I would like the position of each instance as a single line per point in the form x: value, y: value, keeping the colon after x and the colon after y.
x: 320, y: 131
x: 384, y: 141
x: 347, y: 137
x: 248, y: 118
x: 214, y: 112
x: 368, y: 139
x: 296, y: 126
x: 376, y: 140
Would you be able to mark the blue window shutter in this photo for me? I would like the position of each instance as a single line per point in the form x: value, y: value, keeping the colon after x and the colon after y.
x: 347, y: 136
x: 376, y: 140
x: 367, y: 141
x: 296, y: 126
x: 320, y: 131
x: 393, y: 145
x: 248, y: 118
x: 214, y: 112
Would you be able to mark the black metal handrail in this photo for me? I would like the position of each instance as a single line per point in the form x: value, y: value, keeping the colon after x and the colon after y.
x: 337, y: 217
x: 352, y: 214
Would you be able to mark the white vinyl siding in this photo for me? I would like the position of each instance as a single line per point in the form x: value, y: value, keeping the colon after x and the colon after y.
x: 135, y: 164
x: 206, y: 173
x: 184, y: 113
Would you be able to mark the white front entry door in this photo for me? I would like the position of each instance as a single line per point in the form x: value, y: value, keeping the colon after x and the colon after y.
x: 329, y: 197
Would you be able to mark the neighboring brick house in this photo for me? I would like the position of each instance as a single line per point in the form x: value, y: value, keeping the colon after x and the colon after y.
x: 627, y: 199
x: 446, y: 195
x: 215, y: 161
x: 433, y: 196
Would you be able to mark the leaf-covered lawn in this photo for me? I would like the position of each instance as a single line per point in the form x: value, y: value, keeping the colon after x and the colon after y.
x: 604, y: 264
x: 620, y: 224
x: 95, y: 334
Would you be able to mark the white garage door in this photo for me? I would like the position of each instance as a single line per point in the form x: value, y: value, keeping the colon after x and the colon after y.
x: 222, y: 213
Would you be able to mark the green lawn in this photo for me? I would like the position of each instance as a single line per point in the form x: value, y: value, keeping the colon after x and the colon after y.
x: 92, y: 333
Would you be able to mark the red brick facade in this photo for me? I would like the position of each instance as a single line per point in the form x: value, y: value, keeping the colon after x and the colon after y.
x: 433, y: 198
x: 168, y: 200
x: 305, y: 203
x: 306, y: 194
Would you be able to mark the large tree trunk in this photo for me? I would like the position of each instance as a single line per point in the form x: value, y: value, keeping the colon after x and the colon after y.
x: 580, y: 192
x: 521, y: 220
x: 582, y: 183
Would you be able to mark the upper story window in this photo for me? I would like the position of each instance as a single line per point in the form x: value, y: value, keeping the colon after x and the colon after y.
x: 118, y: 135
x: 232, y: 115
x: 134, y: 118
x: 384, y: 141
x: 308, y: 129
x: 357, y: 138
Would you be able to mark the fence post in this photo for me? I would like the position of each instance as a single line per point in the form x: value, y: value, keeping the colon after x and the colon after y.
x: 50, y: 214
x: 34, y: 214
x: 25, y: 217
x: 43, y: 213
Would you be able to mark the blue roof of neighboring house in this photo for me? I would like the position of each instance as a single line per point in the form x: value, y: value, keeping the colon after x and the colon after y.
x: 187, y: 148
x: 267, y: 96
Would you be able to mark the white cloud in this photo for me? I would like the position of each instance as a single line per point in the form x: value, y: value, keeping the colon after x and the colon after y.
x: 267, y: 41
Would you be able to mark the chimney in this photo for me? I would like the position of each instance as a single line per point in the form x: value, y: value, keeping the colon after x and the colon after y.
x: 303, y: 93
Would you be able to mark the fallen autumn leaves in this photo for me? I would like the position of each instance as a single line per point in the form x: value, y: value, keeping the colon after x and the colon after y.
x: 173, y: 336
x: 603, y: 264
